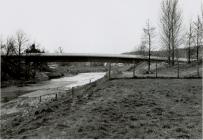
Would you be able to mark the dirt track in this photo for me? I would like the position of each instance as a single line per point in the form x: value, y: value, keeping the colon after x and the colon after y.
x: 144, y: 108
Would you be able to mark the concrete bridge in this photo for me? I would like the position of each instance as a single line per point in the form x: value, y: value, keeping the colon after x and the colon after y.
x: 82, y: 57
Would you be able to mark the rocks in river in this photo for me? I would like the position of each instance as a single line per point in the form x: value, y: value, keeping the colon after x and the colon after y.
x: 52, y: 75
x: 41, y: 76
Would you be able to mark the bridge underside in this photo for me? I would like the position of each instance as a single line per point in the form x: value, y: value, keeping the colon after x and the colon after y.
x: 84, y: 58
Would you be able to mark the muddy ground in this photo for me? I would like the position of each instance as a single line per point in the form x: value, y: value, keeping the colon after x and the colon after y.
x: 121, y: 108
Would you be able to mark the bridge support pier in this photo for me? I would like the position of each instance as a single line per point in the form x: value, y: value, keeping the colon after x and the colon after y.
x: 198, y: 73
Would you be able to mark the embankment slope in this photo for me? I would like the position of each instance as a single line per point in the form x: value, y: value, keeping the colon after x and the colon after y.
x: 125, y: 108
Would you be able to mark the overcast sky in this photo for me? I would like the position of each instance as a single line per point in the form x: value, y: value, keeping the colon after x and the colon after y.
x: 85, y: 26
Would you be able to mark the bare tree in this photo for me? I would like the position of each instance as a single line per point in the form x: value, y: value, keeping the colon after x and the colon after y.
x: 149, y: 33
x: 198, y: 35
x: 166, y: 27
x: 3, y: 46
x: 176, y: 26
x: 59, y: 50
x: 10, y: 47
x: 171, y: 22
x: 190, y: 41
x: 21, y: 41
x: 8, y: 66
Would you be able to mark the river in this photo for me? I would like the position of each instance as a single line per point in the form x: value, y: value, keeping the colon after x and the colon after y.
x: 46, y: 89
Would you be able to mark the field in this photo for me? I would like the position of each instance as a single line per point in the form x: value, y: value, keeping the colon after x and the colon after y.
x: 122, y: 108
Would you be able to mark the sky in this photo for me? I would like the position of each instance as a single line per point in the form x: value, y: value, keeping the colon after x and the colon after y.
x: 86, y: 26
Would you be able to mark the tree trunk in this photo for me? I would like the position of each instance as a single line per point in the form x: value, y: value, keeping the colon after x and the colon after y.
x: 149, y: 53
x: 173, y: 47
x: 198, y: 28
x: 19, y: 64
x: 173, y: 56
x: 189, y: 55
x: 169, y: 48
x: 197, y: 53
x: 169, y: 56
x: 190, y: 37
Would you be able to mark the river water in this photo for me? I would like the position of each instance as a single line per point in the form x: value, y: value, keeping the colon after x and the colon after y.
x: 46, y: 89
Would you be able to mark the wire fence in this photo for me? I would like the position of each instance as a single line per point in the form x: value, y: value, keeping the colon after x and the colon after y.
x: 176, y: 72
x: 59, y: 93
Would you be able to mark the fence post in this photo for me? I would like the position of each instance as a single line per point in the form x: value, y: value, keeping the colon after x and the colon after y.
x: 198, y: 74
x: 72, y: 92
x: 133, y: 68
x: 156, y: 69
x: 92, y: 91
x: 40, y: 98
x: 56, y: 96
x: 178, y: 70
x: 109, y: 74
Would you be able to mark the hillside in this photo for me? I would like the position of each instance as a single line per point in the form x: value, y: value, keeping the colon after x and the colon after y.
x: 163, y: 53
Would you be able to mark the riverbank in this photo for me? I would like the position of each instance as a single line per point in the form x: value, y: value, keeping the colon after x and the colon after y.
x: 57, y: 72
x: 46, y: 87
x: 122, y: 108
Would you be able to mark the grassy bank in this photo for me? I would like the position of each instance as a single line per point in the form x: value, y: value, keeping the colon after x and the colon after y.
x: 125, y: 108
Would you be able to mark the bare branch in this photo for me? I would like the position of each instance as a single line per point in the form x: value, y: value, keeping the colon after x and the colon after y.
x: 21, y: 41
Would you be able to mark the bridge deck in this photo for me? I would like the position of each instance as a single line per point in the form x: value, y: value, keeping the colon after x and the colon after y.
x: 82, y: 57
